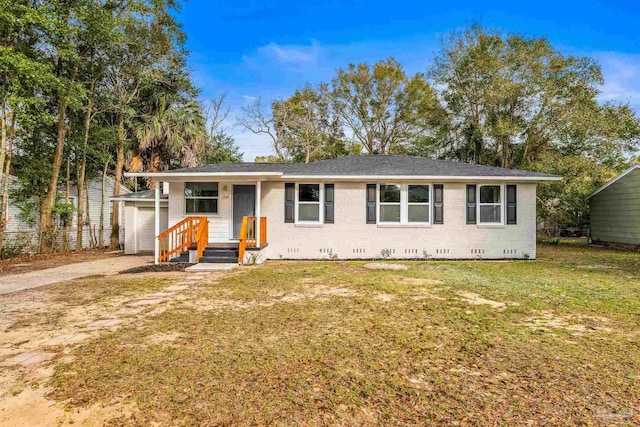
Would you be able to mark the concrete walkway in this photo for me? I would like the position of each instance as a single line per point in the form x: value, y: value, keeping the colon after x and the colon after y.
x: 34, y: 279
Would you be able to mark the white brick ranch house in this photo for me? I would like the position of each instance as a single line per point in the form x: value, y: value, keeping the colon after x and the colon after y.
x: 354, y: 207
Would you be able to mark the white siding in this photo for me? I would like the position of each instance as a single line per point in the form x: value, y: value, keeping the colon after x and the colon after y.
x: 219, y: 224
x: 94, y: 190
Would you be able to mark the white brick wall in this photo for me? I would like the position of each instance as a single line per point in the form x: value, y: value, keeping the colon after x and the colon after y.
x: 350, y: 236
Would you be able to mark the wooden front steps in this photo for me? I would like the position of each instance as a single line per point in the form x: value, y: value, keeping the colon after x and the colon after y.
x: 218, y: 253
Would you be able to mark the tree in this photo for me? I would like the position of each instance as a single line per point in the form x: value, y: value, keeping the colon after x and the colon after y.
x: 257, y: 120
x: 172, y: 131
x: 305, y: 130
x: 516, y: 102
x: 384, y: 109
x: 151, y: 59
x: 220, y: 146
x: 510, y: 99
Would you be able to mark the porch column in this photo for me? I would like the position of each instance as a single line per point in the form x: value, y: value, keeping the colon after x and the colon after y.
x: 258, y: 197
x: 156, y: 242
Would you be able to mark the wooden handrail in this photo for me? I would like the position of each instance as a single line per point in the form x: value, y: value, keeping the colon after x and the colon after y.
x: 248, y: 238
x: 183, y: 235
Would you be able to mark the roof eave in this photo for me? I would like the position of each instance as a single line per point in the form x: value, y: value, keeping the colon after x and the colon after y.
x: 133, y: 199
x: 427, y: 177
x: 613, y: 180
x: 165, y: 175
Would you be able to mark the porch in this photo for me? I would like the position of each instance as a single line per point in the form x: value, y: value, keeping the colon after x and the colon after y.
x: 211, y: 222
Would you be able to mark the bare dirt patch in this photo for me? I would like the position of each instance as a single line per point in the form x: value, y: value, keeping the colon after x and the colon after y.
x: 40, y: 327
x: 164, y: 337
x: 475, y: 299
x: 273, y: 298
x: 385, y: 266
x: 546, y: 320
x: 421, y: 281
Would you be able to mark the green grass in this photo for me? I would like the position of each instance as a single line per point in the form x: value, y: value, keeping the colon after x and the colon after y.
x: 333, y: 343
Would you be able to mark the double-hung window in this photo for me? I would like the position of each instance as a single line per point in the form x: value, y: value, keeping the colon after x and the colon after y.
x: 201, y: 197
x: 404, y: 204
x: 308, y: 202
x: 418, y: 203
x: 390, y: 202
x: 490, y: 204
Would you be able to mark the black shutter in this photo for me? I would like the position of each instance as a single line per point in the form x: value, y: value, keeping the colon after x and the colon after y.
x: 328, y: 203
x: 471, y: 204
x: 289, y: 202
x: 511, y: 205
x: 371, y: 203
x: 438, y: 204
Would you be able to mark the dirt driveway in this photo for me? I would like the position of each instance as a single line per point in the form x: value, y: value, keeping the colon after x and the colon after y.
x: 34, y: 279
x: 41, y: 326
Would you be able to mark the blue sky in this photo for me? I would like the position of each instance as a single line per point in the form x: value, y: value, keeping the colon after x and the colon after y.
x: 252, y: 48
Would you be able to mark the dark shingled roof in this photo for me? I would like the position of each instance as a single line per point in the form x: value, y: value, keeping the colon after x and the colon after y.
x: 375, y: 165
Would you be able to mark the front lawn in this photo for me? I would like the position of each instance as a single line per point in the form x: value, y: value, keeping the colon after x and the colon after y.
x: 549, y: 342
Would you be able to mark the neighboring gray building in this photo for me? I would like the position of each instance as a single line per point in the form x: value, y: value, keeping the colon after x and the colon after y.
x: 615, y: 210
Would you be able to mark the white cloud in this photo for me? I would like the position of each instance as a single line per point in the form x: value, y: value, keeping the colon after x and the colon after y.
x: 295, y: 54
x: 622, y: 78
x: 288, y: 54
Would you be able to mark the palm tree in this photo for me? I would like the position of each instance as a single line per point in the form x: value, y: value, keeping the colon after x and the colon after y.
x: 173, y: 131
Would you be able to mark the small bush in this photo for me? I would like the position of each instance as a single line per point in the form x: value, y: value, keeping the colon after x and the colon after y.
x: 19, y: 245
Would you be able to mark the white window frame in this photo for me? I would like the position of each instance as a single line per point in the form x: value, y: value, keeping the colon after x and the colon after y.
x: 217, y: 213
x: 404, y: 205
x: 320, y: 203
x: 501, y: 204
x: 428, y: 204
x: 379, y: 203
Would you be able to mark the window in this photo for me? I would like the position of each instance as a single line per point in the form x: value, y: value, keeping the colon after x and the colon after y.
x: 418, y: 203
x: 201, y: 197
x: 404, y: 204
x: 308, y: 203
x: 390, y: 206
x: 490, y: 205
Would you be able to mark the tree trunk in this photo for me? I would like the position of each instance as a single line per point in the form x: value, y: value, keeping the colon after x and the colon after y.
x: 82, y: 167
x: 92, y: 236
x: 115, y: 223
x: 66, y: 231
x: 4, y: 214
x: 3, y: 144
x: 49, y: 200
x: 102, y: 197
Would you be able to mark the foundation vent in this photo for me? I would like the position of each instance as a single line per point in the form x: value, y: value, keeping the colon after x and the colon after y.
x: 326, y: 251
x: 358, y: 251
x: 443, y: 251
x: 410, y: 251
x: 509, y: 251
x: 477, y: 251
x: 293, y: 250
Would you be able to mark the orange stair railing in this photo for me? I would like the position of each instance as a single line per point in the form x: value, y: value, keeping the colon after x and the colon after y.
x: 193, y: 230
x: 248, y: 238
